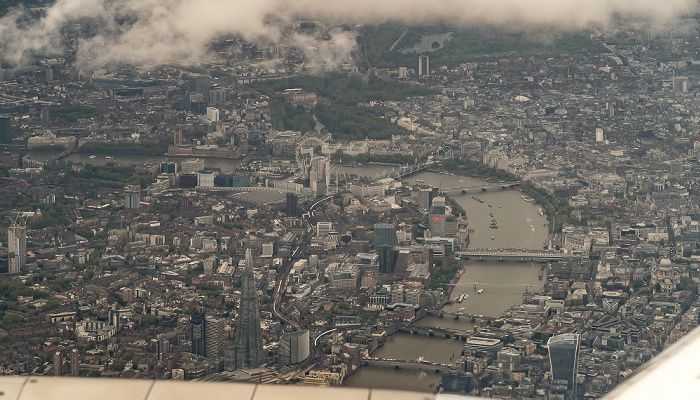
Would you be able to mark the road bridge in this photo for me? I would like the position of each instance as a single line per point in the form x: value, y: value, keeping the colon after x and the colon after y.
x: 417, y: 365
x: 454, y: 315
x: 447, y: 333
x: 511, y: 255
x: 62, y: 154
x: 478, y: 188
x: 405, y: 170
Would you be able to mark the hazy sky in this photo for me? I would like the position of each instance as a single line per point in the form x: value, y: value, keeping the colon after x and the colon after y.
x: 179, y: 30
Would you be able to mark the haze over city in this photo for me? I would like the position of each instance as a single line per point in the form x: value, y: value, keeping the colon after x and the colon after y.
x: 482, y: 198
x: 156, y: 32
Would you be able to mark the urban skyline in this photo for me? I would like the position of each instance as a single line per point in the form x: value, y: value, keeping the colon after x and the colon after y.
x: 450, y: 208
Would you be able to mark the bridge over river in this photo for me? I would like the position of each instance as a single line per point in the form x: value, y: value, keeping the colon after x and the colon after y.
x: 417, y: 365
x: 510, y: 255
x: 487, y: 187
x: 436, y: 331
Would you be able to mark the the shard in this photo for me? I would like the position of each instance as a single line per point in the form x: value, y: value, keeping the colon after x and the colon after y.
x: 249, y: 351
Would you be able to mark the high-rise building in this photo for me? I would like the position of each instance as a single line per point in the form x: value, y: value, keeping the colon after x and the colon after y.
x: 294, y: 347
x: 200, y: 84
x: 213, y: 336
x: 198, y: 333
x: 57, y: 363
x: 16, y: 247
x: 74, y: 362
x: 425, y: 198
x: 404, y: 264
x: 599, y: 136
x: 428, y: 257
x: 132, y: 197
x: 5, y: 133
x: 248, y: 350
x: 423, y: 65
x: 218, y: 95
x: 292, y: 201
x: 387, y: 259
x: 563, y: 358
x: 437, y: 217
x: 49, y: 74
x: 439, y: 206
x: 385, y: 234
x: 44, y: 116
x: 320, y: 171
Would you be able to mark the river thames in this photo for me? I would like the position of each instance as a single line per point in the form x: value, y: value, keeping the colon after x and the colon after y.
x: 503, y: 283
x: 520, y: 226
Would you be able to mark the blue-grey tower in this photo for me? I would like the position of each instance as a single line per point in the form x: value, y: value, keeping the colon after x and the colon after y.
x: 563, y: 358
x: 249, y: 349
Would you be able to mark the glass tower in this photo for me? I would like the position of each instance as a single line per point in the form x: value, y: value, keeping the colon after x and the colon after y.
x: 563, y: 358
x: 249, y: 351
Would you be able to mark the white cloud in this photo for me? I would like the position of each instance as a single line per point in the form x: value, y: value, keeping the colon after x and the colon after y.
x: 162, y: 31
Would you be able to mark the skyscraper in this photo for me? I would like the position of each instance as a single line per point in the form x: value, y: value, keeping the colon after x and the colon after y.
x: 320, y: 171
x: 132, y: 197
x: 57, y: 363
x: 436, y: 217
x: 426, y: 196
x: 198, y: 333
x: 5, y: 134
x: 200, y: 84
x: 292, y: 201
x: 249, y: 353
x: 74, y: 362
x: 17, y: 247
x: 294, y: 347
x: 563, y: 358
x: 384, y: 234
x: 423, y: 65
x: 404, y: 264
x: 213, y: 336
x: 44, y: 116
x: 387, y: 259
